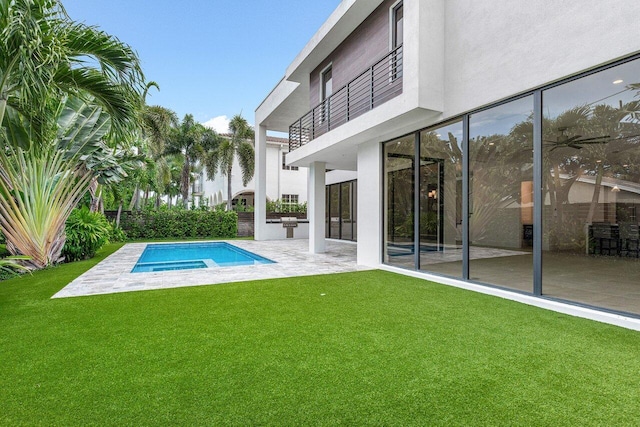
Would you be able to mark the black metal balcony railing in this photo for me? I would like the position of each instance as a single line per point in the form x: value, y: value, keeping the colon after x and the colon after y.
x: 374, y: 86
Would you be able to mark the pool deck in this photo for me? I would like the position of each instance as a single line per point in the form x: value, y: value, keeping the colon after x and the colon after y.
x: 292, y: 258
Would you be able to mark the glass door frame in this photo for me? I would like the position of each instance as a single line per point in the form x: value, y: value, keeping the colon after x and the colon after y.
x: 538, y: 201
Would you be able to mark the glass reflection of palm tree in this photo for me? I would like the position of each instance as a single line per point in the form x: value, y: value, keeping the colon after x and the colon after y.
x: 607, y: 148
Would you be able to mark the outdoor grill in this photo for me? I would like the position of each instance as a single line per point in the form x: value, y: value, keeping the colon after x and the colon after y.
x: 289, y: 222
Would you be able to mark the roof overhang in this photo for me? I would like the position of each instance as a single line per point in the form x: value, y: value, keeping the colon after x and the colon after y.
x: 289, y: 100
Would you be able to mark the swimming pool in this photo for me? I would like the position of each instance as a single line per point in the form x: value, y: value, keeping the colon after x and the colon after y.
x: 188, y: 256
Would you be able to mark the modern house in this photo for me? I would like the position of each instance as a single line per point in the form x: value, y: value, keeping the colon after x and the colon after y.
x: 285, y: 183
x: 495, y: 145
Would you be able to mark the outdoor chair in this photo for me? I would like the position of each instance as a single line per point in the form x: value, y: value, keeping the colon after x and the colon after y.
x: 606, y: 243
x: 629, y: 240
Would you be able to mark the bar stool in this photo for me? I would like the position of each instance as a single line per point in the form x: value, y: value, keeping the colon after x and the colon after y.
x: 629, y: 239
x: 605, y: 241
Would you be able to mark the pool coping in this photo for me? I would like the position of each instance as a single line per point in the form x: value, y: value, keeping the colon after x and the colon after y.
x: 291, y: 259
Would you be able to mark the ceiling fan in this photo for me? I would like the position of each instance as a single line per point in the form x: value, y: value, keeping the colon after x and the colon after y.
x: 575, y: 141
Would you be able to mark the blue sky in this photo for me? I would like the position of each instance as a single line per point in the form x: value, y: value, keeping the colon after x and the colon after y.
x: 211, y: 58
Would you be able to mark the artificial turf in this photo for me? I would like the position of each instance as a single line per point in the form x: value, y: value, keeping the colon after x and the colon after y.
x: 366, y: 348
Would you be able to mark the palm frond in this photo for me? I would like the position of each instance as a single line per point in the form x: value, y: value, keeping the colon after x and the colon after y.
x: 118, y: 100
x: 246, y: 159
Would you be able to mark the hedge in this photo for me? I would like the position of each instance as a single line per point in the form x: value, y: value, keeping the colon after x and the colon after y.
x: 179, y: 224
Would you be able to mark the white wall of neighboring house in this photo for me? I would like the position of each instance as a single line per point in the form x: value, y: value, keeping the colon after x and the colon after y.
x: 279, y: 181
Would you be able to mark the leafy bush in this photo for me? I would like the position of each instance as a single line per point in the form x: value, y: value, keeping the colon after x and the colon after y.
x: 3, y: 240
x: 86, y: 233
x: 117, y: 234
x: 278, y: 206
x: 243, y: 208
x: 180, y: 224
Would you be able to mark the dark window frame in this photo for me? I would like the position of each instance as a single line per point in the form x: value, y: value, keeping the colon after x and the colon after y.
x: 538, y: 205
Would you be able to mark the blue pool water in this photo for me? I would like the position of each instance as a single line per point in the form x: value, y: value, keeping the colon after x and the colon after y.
x: 187, y: 256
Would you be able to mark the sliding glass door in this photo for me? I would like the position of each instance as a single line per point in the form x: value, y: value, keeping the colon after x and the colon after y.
x: 501, y: 195
x: 399, y: 245
x: 549, y: 184
x: 441, y: 200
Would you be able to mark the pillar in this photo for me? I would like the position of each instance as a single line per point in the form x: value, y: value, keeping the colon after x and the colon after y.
x: 260, y: 201
x: 316, y: 207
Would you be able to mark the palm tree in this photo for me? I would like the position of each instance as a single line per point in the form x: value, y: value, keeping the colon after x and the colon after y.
x: 65, y: 89
x: 43, y: 54
x: 193, y: 141
x: 240, y: 144
x: 156, y: 125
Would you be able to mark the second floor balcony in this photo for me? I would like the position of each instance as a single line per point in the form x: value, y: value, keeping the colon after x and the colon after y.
x: 374, y: 86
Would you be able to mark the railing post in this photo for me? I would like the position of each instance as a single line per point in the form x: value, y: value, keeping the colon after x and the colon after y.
x: 348, y: 95
x: 372, y: 83
x: 392, y: 59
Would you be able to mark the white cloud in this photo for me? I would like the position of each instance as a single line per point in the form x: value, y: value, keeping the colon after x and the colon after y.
x: 220, y: 124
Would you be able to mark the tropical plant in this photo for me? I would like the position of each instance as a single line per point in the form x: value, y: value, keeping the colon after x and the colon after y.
x: 38, y: 194
x: 44, y: 54
x: 40, y: 186
x: 65, y: 89
x: 156, y: 124
x: 117, y: 234
x: 86, y: 232
x: 240, y: 144
x: 192, y: 142
x: 10, y: 266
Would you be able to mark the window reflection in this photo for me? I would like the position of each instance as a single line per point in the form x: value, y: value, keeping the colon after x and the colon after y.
x: 500, y: 195
x: 399, y: 204
x: 591, y: 188
x: 441, y: 200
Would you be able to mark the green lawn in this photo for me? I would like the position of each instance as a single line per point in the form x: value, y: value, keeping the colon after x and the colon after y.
x: 345, y: 349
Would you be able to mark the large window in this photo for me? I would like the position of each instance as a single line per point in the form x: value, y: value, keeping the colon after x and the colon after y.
x: 327, y: 83
x: 397, y: 31
x: 501, y: 195
x: 341, y: 211
x: 591, y: 188
x: 441, y: 200
x: 399, y: 158
x: 543, y: 199
x: 289, y: 201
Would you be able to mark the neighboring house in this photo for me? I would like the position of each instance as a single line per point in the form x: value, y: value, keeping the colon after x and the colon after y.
x: 285, y: 183
x: 496, y: 145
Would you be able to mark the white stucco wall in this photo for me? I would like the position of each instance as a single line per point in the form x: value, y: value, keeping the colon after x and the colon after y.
x: 336, y: 176
x: 275, y: 231
x: 499, y: 48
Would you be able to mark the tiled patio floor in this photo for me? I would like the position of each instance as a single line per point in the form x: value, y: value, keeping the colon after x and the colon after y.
x: 292, y: 258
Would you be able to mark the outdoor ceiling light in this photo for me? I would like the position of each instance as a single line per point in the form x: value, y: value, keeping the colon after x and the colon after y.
x: 615, y: 189
x: 617, y: 82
